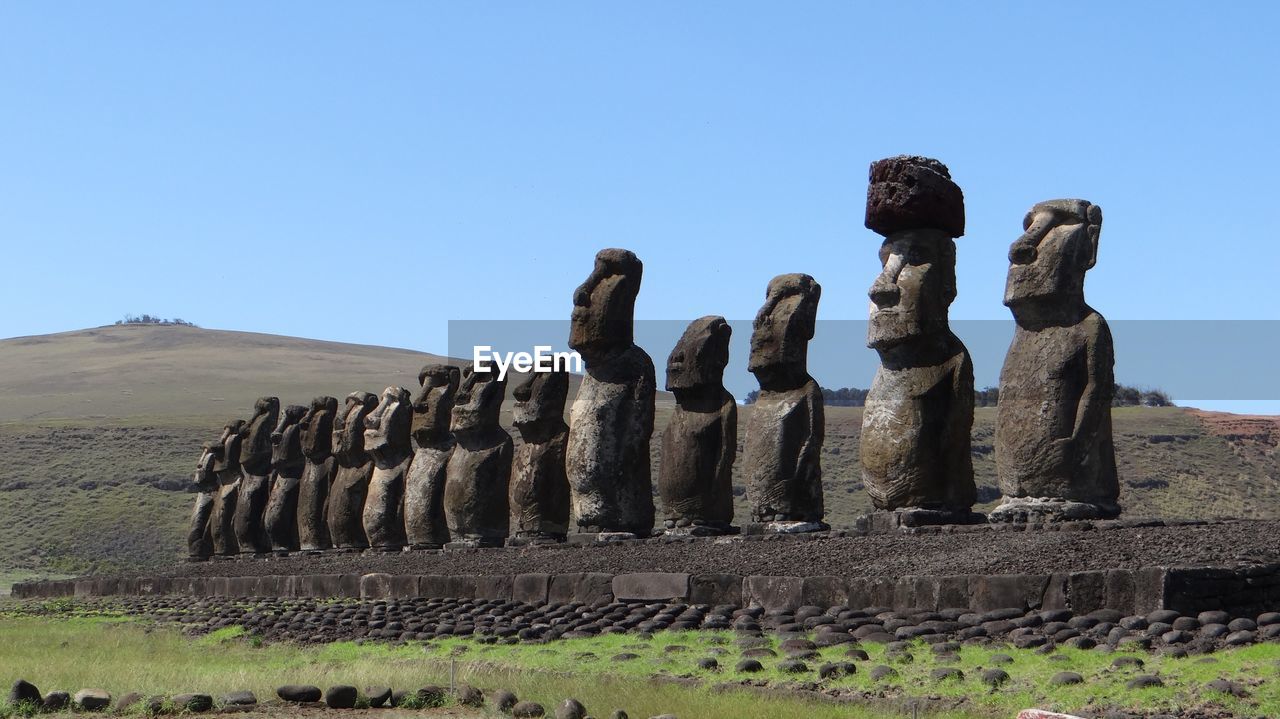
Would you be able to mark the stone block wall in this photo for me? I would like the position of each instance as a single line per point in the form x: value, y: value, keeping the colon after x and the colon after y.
x: 1242, y: 590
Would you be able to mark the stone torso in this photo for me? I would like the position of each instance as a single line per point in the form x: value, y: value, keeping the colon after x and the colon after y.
x: 313, y: 494
x: 695, y: 475
x: 539, y: 487
x: 477, y: 485
x: 424, y: 518
x: 915, y: 449
x: 607, y: 456
x: 1043, y: 388
x: 384, y: 506
x: 346, y: 502
x: 782, y: 455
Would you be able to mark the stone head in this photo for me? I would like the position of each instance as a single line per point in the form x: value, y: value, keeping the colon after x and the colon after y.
x: 434, y: 406
x: 604, y: 305
x: 286, y: 440
x: 387, y: 427
x: 699, y: 358
x: 205, y: 475
x: 913, y: 203
x: 479, y: 401
x: 782, y: 329
x: 267, y: 408
x: 540, y: 398
x: 227, y: 451
x: 911, y: 296
x: 317, y: 428
x: 348, y: 426
x: 1059, y: 243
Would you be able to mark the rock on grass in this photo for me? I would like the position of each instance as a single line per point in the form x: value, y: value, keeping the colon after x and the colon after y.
x: 299, y: 693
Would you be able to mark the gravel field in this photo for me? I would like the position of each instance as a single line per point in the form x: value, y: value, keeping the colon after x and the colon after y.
x: 987, y: 551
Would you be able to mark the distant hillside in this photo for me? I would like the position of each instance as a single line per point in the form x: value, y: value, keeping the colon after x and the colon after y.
x: 159, y: 371
x: 100, y: 430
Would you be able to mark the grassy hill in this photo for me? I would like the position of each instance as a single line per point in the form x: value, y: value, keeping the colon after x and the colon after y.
x: 100, y: 430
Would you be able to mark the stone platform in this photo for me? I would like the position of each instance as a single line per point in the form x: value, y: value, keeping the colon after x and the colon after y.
x: 1131, y: 566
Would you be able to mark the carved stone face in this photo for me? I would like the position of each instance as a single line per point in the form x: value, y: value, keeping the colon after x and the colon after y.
x: 784, y: 325
x: 917, y: 282
x: 317, y: 428
x: 699, y: 358
x: 1058, y: 245
x: 205, y: 476
x: 227, y: 451
x: 434, y: 406
x: 348, y: 427
x: 387, y: 426
x: 604, y: 305
x: 479, y: 401
x: 286, y: 440
x: 541, y: 397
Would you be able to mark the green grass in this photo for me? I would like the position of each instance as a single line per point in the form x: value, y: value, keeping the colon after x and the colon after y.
x: 121, y: 656
x: 1256, y: 668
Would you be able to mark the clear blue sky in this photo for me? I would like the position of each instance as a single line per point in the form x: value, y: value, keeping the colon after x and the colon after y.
x: 365, y: 172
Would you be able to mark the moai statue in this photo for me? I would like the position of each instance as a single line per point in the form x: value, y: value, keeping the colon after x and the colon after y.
x: 783, y: 454
x: 351, y: 477
x: 226, y: 470
x: 695, y: 477
x: 255, y: 486
x: 317, y: 473
x: 1054, y: 454
x: 425, y: 524
x: 478, y: 475
x: 387, y: 440
x: 915, y: 452
x: 200, y: 534
x: 539, y: 486
x: 611, y: 422
x: 287, y: 465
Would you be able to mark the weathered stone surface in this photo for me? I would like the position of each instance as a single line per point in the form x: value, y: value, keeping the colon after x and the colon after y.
x: 350, y: 486
x: 317, y: 473
x: 782, y: 458
x: 342, y: 696
x: 299, y: 693
x: 92, y: 700
x: 24, y: 692
x: 1054, y: 453
x: 287, y: 464
x: 611, y: 422
x: 192, y: 702
x: 715, y: 589
x: 226, y: 467
x: 478, y: 475
x: 700, y: 443
x: 539, y: 486
x: 651, y: 587
x: 56, y: 701
x: 909, y: 193
x: 426, y: 526
x: 585, y: 587
x: 773, y: 592
x: 200, y: 532
x: 531, y: 588
x: 255, y: 482
x: 375, y: 586
x: 239, y: 699
x: 915, y: 449
x: 387, y: 440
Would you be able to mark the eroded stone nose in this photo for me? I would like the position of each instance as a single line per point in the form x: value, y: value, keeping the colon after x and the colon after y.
x: 884, y: 293
x: 1022, y: 252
